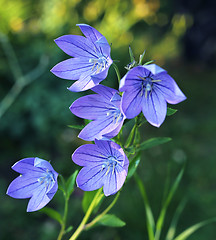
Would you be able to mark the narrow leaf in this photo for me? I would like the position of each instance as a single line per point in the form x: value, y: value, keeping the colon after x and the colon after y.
x: 162, y: 215
x: 68, y: 229
x: 149, y: 216
x: 111, y: 221
x: 152, y: 143
x: 185, y: 234
x: 172, y: 229
x: 141, y: 57
x: 80, y: 127
x: 132, y: 58
x: 70, y: 183
x: 133, y: 166
x: 53, y: 214
x: 171, y: 111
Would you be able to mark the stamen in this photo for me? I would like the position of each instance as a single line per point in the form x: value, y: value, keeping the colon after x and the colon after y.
x: 156, y: 80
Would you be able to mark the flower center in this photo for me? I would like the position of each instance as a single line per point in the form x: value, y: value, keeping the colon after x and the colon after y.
x: 117, y: 115
x: 47, y: 179
x: 110, y: 164
x: 147, y: 85
x: 100, y: 63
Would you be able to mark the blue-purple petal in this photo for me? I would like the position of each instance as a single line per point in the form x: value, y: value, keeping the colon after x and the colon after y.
x: 90, y: 32
x: 91, y: 107
x: 104, y: 91
x: 155, y: 69
x: 132, y: 102
x: 97, y: 128
x: 72, y: 68
x: 168, y: 88
x: 26, y: 165
x: 88, y: 155
x: 154, y: 108
x: 76, y: 46
x: 38, y: 200
x: 85, y: 82
x: 23, y: 187
x: 91, y: 178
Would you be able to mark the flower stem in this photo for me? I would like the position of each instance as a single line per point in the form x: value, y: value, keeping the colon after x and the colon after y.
x: 89, y: 225
x: 117, y: 71
x: 63, y: 225
x: 86, y: 217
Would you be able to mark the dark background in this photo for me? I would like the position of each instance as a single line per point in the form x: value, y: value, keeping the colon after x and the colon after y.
x: 180, y: 36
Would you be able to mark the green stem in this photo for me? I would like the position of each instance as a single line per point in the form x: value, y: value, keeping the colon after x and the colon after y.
x: 89, y: 225
x: 63, y: 225
x: 117, y: 71
x: 86, y: 217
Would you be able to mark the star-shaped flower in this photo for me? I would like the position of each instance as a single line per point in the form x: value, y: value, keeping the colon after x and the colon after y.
x: 105, y: 111
x: 38, y: 181
x: 91, y: 60
x: 148, y: 89
x: 104, y: 165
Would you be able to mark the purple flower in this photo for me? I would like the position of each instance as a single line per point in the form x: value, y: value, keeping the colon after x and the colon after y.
x: 38, y: 181
x: 148, y: 89
x: 91, y: 60
x: 104, y: 109
x: 104, y: 164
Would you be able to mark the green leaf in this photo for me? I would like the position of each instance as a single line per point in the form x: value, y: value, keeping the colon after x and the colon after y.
x: 171, y: 111
x: 150, y: 223
x: 53, y: 214
x: 70, y: 228
x: 162, y: 215
x: 172, y: 229
x: 87, y: 199
x: 185, y: 234
x: 133, y: 166
x: 111, y: 221
x: 141, y: 57
x: 80, y: 127
x: 132, y: 58
x: 149, y: 62
x: 70, y: 183
x: 152, y: 143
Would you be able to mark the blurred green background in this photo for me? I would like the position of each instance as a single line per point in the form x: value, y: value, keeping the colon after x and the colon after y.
x: 179, y: 35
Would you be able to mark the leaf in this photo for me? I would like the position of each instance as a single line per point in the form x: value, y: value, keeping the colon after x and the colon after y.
x: 133, y: 166
x: 111, y: 221
x: 70, y: 183
x: 87, y: 199
x: 152, y: 143
x: 171, y: 111
x: 132, y: 58
x: 53, y: 214
x: 150, y: 223
x: 172, y: 229
x: 80, y: 127
x: 162, y: 215
x: 185, y: 234
x: 68, y: 229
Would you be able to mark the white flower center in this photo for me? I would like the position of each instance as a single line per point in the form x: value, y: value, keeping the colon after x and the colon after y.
x: 100, y: 63
x: 48, y: 179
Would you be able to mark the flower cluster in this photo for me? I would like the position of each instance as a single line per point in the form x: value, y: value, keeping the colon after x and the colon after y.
x: 146, y: 88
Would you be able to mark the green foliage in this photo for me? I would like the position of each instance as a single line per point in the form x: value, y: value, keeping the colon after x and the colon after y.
x: 111, y: 220
x: 171, y: 111
x: 52, y: 214
x: 80, y: 127
x: 70, y: 184
x: 133, y: 166
x: 188, y: 232
x: 152, y: 143
x: 87, y: 199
